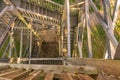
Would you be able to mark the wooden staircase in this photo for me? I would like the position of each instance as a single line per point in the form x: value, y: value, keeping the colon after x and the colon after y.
x: 74, y: 21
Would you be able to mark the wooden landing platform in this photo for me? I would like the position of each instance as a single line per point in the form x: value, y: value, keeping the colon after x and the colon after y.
x: 108, y: 66
x: 45, y: 72
x: 55, y: 68
x: 73, y: 69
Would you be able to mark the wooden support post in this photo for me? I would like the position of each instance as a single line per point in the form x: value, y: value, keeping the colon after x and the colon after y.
x: 21, y: 46
x: 11, y: 46
x: 116, y: 11
x: 62, y: 29
x: 59, y: 47
x: 68, y: 29
x: 88, y: 28
x: 105, y: 26
x: 108, y: 19
x: 11, y: 39
x: 117, y: 53
x: 80, y: 39
x: 30, y: 49
x: 61, y: 40
x: 7, y: 48
x: 108, y: 50
x: 59, y: 37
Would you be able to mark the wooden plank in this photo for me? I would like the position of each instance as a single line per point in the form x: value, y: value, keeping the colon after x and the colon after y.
x: 66, y: 76
x: 102, y: 76
x: 2, y: 78
x: 21, y: 75
x: 4, y: 67
x: 75, y: 77
x: 7, y: 73
x: 49, y: 76
x: 85, y: 77
x: 7, y: 70
x: 12, y: 75
x: 34, y: 75
x: 100, y: 64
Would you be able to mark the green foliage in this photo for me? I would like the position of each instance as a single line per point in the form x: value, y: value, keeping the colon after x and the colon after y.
x: 117, y: 30
x: 72, y: 1
x: 98, y: 5
x: 62, y: 1
x: 59, y: 1
x: 4, y: 47
x: 91, y: 9
x: 98, y: 41
x: 17, y: 45
x: 85, y: 48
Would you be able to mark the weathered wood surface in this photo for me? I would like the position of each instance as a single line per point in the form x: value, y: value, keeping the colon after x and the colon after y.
x: 56, y: 68
x: 64, y: 74
x: 117, y: 54
x: 108, y: 66
x: 49, y: 76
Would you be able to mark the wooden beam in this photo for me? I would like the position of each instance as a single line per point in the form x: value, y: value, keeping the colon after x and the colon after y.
x: 21, y: 75
x: 4, y: 67
x: 107, y: 21
x: 108, y: 66
x: 49, y: 76
x: 88, y: 29
x: 34, y: 75
x: 116, y: 11
x: 4, y: 10
x: 2, y: 78
x: 66, y: 76
x: 10, y: 72
x: 26, y: 59
x: 16, y: 12
x: 105, y: 26
x: 117, y: 53
x: 78, y: 4
x: 68, y: 28
x: 84, y: 77
x: 54, y: 3
x: 39, y: 17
